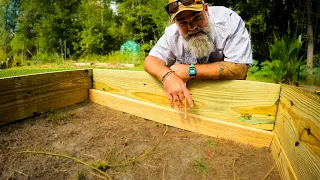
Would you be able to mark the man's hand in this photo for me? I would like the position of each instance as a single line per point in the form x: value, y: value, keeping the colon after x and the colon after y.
x: 181, y: 70
x: 176, y: 91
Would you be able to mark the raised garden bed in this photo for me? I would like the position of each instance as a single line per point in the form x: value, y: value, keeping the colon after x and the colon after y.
x: 234, y: 129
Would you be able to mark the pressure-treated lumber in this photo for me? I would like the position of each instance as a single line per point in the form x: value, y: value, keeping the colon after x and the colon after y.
x: 25, y: 96
x: 247, y: 103
x: 298, y: 130
x: 194, y: 123
x: 281, y: 159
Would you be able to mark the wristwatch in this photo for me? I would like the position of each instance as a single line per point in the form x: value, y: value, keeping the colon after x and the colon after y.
x: 192, y: 71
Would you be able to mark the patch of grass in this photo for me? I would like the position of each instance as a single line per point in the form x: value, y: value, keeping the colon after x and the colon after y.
x: 57, y: 116
x: 27, y: 71
x: 211, y: 143
x: 200, y: 166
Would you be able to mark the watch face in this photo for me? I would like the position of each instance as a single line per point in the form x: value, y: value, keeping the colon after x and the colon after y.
x: 192, y: 71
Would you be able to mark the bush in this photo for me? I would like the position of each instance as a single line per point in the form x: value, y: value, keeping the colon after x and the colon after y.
x: 43, y: 58
x: 92, y: 58
x: 3, y: 55
x: 303, y: 75
x: 263, y: 73
x: 125, y: 58
x: 285, y: 61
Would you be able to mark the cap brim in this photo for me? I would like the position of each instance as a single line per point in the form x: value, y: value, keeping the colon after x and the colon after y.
x: 194, y: 7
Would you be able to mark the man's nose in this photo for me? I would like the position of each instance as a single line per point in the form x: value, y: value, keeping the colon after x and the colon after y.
x: 192, y: 25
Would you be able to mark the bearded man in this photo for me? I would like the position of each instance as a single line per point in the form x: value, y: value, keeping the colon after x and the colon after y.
x: 203, y: 43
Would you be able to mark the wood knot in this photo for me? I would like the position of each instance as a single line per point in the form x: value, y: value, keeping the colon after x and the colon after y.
x: 291, y: 103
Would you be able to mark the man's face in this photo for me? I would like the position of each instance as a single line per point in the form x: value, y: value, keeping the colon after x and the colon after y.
x: 196, y: 30
x: 189, y: 22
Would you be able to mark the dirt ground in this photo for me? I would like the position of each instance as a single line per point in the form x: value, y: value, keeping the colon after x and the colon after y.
x: 102, y: 137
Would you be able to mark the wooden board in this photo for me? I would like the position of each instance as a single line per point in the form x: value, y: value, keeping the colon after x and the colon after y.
x: 298, y: 130
x: 247, y: 103
x: 281, y: 159
x: 25, y: 96
x: 194, y: 123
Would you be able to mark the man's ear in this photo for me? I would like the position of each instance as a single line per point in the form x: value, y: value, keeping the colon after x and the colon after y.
x: 205, y: 7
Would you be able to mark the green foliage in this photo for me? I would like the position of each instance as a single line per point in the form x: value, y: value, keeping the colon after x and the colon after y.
x: 303, y: 75
x: 39, y: 30
x: 115, y: 57
x: 285, y: 58
x: 3, y: 55
x: 92, y: 58
x: 129, y: 58
x: 260, y: 73
x: 143, y: 20
x: 285, y: 61
x: 277, y: 69
x: 42, y: 58
x: 253, y: 68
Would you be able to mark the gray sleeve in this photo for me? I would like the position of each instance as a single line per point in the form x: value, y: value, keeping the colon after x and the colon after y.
x: 238, y: 46
x: 162, y: 49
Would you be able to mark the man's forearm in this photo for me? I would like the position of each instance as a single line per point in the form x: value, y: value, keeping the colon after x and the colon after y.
x: 221, y: 70
x: 155, y: 67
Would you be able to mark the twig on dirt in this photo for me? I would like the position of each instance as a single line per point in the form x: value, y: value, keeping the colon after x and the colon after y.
x: 149, y: 165
x: 268, y: 173
x: 242, y: 178
x: 68, y: 157
x: 98, y: 176
x: 164, y: 167
x: 57, y: 170
x: 10, y: 176
x: 142, y: 155
x: 234, y: 173
x: 21, y: 173
x: 17, y: 172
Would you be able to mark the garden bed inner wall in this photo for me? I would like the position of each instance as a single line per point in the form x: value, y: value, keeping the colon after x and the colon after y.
x: 243, y: 111
x: 296, y: 143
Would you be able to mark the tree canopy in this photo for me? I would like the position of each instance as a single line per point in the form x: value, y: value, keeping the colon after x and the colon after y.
x: 76, y: 28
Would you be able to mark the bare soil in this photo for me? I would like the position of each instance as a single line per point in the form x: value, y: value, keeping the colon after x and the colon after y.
x: 99, y: 135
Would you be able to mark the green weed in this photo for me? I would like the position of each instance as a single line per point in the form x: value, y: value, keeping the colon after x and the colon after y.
x: 80, y: 176
x: 102, y: 165
x: 200, y: 166
x: 211, y: 143
x: 57, y: 116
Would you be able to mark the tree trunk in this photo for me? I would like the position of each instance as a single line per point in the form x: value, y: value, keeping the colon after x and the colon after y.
x: 5, y: 29
x: 102, y: 12
x: 310, y: 41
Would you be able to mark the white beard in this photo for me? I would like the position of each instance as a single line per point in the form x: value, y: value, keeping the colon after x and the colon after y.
x: 201, y: 45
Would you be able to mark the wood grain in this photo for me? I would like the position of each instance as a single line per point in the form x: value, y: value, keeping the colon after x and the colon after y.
x: 25, y: 96
x: 194, y: 123
x: 298, y: 130
x: 281, y: 159
x: 247, y: 103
